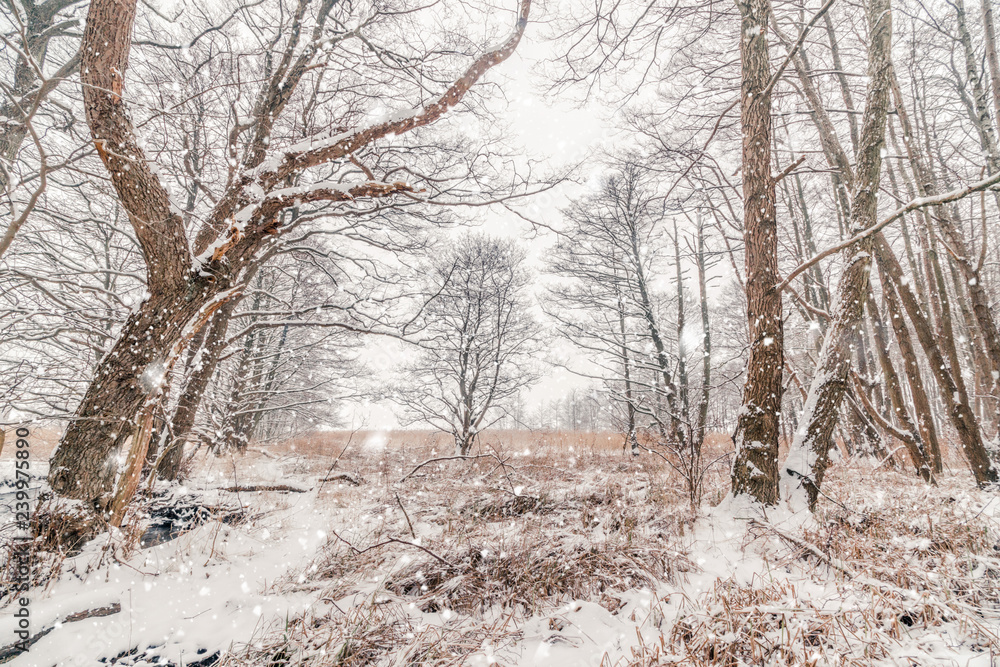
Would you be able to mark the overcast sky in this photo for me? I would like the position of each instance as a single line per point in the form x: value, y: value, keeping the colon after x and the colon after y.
x: 556, y: 133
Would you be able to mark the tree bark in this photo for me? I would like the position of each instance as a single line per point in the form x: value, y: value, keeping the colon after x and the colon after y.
x: 990, y: 37
x: 915, y: 446
x: 755, y: 470
x: 706, y: 332
x: 808, y: 456
x: 845, y: 89
x: 185, y: 291
x: 203, y: 364
x: 980, y: 460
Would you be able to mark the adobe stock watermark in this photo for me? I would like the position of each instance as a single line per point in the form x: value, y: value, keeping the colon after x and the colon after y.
x: 21, y: 542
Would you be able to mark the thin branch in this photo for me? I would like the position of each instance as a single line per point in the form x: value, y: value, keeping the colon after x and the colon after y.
x: 914, y: 205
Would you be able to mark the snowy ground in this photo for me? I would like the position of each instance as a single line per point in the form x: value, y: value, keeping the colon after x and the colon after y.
x: 564, y: 555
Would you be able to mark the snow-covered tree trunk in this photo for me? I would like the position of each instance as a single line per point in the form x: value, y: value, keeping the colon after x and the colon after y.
x: 755, y: 470
x: 808, y: 455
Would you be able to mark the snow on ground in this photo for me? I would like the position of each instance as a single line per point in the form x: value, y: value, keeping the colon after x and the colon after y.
x: 555, y: 555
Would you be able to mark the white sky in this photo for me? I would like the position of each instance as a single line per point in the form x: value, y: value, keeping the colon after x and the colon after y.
x: 556, y: 133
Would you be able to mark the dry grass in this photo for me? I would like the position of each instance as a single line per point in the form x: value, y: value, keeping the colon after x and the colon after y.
x: 563, y: 519
x: 544, y: 520
x: 887, y: 577
x: 430, y: 563
x: 368, y: 634
x: 59, y: 531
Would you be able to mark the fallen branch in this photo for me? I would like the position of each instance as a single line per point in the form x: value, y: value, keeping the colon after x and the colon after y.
x: 11, y: 651
x: 447, y: 458
x: 344, y: 477
x: 393, y: 540
x: 254, y: 488
x: 264, y: 453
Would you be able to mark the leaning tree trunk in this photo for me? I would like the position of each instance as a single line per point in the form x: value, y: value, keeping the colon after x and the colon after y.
x: 926, y: 185
x: 132, y: 372
x: 83, y: 466
x: 203, y: 366
x: 808, y: 456
x: 755, y: 470
x: 183, y: 293
x: 915, y: 445
x: 984, y: 468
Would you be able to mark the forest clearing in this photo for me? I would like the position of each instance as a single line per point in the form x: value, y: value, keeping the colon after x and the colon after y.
x: 607, y: 333
x: 549, y: 553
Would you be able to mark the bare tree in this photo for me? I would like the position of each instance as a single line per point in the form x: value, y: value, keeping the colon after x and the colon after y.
x: 188, y: 280
x: 478, y: 341
x: 755, y: 470
x: 33, y: 35
x: 610, y: 262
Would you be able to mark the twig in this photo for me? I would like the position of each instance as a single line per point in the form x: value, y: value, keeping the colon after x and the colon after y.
x: 13, y: 650
x: 407, y: 516
x: 393, y: 540
x: 447, y: 458
x: 336, y: 460
x: 787, y: 170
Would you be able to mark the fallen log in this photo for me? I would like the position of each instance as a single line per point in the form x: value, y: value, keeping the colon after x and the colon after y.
x: 345, y: 477
x: 256, y: 488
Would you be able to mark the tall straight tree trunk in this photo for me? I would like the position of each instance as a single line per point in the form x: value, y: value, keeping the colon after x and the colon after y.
x: 979, y: 104
x: 682, y: 374
x: 977, y: 358
x: 808, y: 456
x: 706, y: 332
x: 631, y: 442
x: 841, y: 74
x: 755, y: 469
x: 990, y: 37
x: 239, y: 408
